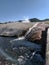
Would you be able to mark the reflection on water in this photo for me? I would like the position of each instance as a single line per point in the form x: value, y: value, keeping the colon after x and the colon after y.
x: 18, y: 55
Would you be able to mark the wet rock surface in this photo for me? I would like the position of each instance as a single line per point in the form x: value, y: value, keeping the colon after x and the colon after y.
x: 20, y: 55
x: 25, y: 59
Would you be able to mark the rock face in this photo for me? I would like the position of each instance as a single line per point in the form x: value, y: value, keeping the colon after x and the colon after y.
x: 29, y: 52
x: 35, y: 32
x: 47, y: 48
x: 21, y: 52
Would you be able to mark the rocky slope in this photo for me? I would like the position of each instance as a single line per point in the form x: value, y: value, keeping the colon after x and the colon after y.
x: 14, y: 29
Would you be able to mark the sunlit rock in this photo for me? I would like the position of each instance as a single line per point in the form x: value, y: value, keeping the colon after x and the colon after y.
x: 35, y: 32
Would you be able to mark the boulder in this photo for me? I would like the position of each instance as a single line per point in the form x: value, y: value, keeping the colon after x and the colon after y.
x: 35, y: 32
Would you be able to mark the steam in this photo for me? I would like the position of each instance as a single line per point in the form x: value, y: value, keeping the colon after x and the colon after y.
x: 26, y: 20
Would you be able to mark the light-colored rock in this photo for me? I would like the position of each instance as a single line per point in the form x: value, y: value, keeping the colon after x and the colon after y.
x: 35, y: 32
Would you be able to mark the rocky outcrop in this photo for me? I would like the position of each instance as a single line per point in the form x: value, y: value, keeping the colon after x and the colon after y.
x: 47, y: 48
x: 35, y: 32
x: 21, y: 49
